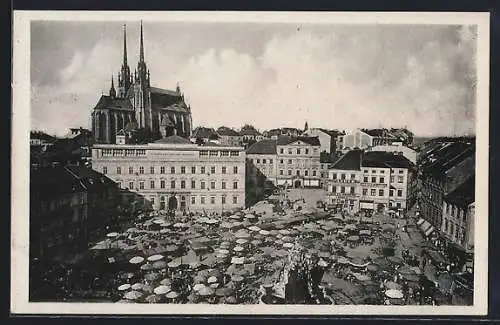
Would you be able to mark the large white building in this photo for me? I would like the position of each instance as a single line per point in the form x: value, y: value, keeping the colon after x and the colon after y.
x: 288, y: 161
x: 175, y: 174
x: 397, y: 148
x: 372, y: 181
x: 326, y: 138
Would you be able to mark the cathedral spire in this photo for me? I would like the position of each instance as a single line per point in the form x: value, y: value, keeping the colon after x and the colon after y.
x: 124, y: 45
x: 141, y: 51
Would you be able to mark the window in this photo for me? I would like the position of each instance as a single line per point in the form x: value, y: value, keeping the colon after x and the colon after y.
x: 183, y: 170
x: 289, y: 161
x: 391, y: 193
x: 119, y: 184
x: 306, y: 173
x: 281, y: 161
x: 223, y: 169
x: 373, y: 192
x: 342, y: 176
x: 307, y: 151
x: 193, y: 199
x: 172, y: 170
x: 365, y: 179
x: 141, y: 170
x: 202, y: 185
x: 398, y: 204
x: 193, y: 169
x: 382, y: 180
x: 118, y: 170
x: 297, y: 172
x: 400, y: 179
x: 141, y: 185
x: 374, y: 179
x: 212, y: 199
x: 264, y: 161
x: 212, y: 185
x: 352, y: 190
x: 202, y: 200
x: 373, y: 171
x: 342, y: 189
x: 314, y: 173
x: 235, y: 170
x: 401, y: 171
x: 152, y: 184
x: 380, y: 192
x: 334, y: 189
x: 392, y: 179
x: 289, y: 151
x: 202, y: 170
x: 152, y: 201
x: 281, y: 172
x: 235, y: 185
x: 223, y: 199
x: 212, y: 170
x: 270, y: 161
x: 353, y: 176
x: 289, y: 172
x: 298, y: 151
x: 151, y: 170
x: 400, y: 192
x: 162, y: 170
x: 365, y: 171
x: 172, y: 184
x: 224, y: 153
x: 131, y: 170
x: 281, y: 151
x: 104, y: 170
x: 365, y: 191
x: 183, y: 184
x: 382, y: 171
x: 131, y: 185
x: 214, y: 153
x: 251, y: 161
x: 223, y: 185
x: 235, y: 153
x: 334, y: 176
x: 235, y: 200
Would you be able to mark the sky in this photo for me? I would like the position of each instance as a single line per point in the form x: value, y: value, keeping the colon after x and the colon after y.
x: 267, y: 74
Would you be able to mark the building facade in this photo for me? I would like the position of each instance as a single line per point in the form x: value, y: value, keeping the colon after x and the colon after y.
x: 327, y: 139
x: 229, y: 137
x: 69, y: 205
x: 136, y: 102
x: 397, y: 148
x: 371, y: 181
x: 356, y: 139
x: 175, y: 174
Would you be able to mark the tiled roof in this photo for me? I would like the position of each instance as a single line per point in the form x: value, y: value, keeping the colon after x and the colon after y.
x: 225, y: 131
x: 168, y: 99
x: 204, y: 133
x: 114, y: 103
x: 385, y: 160
x: 173, y: 139
x: 285, y: 140
x: 463, y: 195
x: 249, y: 131
x: 349, y: 161
x: 267, y: 147
x: 42, y: 136
x: 161, y: 91
x: 331, y: 133
x: 444, y: 156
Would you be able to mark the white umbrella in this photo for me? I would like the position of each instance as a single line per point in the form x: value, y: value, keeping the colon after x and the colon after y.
x: 264, y: 232
x: 132, y: 295
x: 235, y: 217
x: 223, y: 251
x: 394, y: 294
x: 154, y: 258
x: 172, y: 295
x: 237, y: 260
x: 124, y: 287
x: 158, y: 221
x: 212, y: 279
x: 254, y: 228
x: 249, y: 216
x: 112, y: 234
x: 137, y: 286
x: 136, y: 260
x: 238, y: 249
x: 162, y: 289
x: 241, y: 241
x: 288, y: 245
x: 198, y: 286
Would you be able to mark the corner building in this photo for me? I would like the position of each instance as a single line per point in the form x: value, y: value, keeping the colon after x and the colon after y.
x: 175, y: 174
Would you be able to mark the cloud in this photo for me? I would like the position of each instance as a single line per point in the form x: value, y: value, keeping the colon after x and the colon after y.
x: 419, y: 77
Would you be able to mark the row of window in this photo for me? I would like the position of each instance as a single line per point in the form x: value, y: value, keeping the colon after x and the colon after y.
x: 297, y: 151
x: 201, y: 200
x: 173, y: 170
x: 455, y: 212
x: 367, y: 179
x: 373, y: 192
x: 264, y: 161
x: 297, y: 172
x: 216, y: 153
x: 123, y: 152
x: 454, y: 230
x: 182, y: 185
x: 303, y: 162
x: 381, y: 171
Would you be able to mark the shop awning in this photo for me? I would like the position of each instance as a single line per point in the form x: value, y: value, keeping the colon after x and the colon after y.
x: 425, y: 226
x: 420, y: 221
x: 429, y: 231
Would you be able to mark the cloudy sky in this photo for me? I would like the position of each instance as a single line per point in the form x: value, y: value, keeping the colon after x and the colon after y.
x: 269, y: 75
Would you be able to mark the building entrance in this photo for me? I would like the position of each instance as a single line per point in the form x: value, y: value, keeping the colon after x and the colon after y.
x: 172, y: 203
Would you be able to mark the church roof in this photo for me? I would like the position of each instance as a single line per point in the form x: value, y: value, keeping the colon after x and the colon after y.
x: 173, y: 139
x: 114, y: 103
x: 161, y: 91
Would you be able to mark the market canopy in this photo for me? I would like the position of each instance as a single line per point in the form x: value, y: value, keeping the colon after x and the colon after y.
x: 394, y: 294
x: 154, y: 258
x: 136, y: 260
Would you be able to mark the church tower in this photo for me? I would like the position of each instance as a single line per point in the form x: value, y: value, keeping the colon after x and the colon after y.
x: 142, y: 98
x: 112, y: 91
x: 124, y: 77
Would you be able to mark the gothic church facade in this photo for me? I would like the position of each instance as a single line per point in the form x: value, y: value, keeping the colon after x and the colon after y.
x: 135, y: 104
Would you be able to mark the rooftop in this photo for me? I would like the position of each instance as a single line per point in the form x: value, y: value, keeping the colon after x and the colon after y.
x: 114, y: 103
x: 225, y: 131
x: 349, y: 161
x: 267, y: 147
x: 173, y: 139
x: 463, y: 195
x: 385, y: 160
x: 285, y: 140
x: 204, y: 133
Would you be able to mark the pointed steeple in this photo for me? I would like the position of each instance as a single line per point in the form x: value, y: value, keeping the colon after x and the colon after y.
x: 306, y: 127
x: 112, y: 91
x: 124, y: 44
x: 141, y: 50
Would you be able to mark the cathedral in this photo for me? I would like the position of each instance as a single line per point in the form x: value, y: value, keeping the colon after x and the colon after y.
x: 135, y: 104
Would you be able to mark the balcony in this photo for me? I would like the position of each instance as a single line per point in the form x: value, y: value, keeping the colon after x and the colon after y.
x: 343, y: 181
